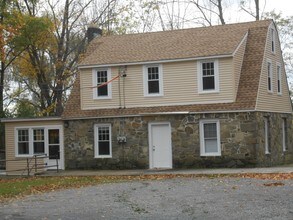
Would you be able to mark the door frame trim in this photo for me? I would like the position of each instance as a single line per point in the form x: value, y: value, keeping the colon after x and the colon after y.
x: 150, y: 124
x: 61, y: 144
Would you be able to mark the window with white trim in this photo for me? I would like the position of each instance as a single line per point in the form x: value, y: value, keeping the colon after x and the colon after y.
x: 210, y: 144
x: 102, y: 90
x: 273, y: 39
x: 285, y: 133
x: 153, y: 80
x: 208, y: 77
x: 30, y: 141
x: 39, y: 141
x: 267, y: 135
x: 103, y: 143
x: 279, y: 79
x: 23, y: 142
x: 270, y: 76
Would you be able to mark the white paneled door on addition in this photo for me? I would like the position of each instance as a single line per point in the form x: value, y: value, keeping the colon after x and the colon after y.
x: 160, y: 145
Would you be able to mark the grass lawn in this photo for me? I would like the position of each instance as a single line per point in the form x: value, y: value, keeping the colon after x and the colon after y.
x: 18, y: 187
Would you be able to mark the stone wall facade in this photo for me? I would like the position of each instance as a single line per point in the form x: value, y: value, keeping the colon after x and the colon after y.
x: 242, y: 141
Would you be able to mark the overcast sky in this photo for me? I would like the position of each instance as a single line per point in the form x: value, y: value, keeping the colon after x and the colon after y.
x: 285, y: 6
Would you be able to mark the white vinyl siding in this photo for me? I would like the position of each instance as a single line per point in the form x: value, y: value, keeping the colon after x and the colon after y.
x: 103, y: 141
x: 267, y: 101
x: 208, y: 77
x: 102, y: 90
x: 179, y: 84
x: 153, y: 80
x: 210, y: 144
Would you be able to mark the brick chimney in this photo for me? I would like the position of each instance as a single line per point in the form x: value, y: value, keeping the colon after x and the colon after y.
x: 93, y: 31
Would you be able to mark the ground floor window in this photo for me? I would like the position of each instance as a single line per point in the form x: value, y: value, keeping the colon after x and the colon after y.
x: 267, y: 135
x: 103, y: 145
x: 210, y: 144
x: 31, y: 141
x: 284, y: 136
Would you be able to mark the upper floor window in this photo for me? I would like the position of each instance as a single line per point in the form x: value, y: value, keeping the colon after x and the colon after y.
x: 153, y: 80
x: 279, y: 79
x: 103, y: 145
x: 102, y: 90
x: 208, y: 76
x: 273, y: 43
x: 210, y: 138
x: 270, y: 76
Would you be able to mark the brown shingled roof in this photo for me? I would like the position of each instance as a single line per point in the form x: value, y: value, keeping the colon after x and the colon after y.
x: 168, y: 45
x: 250, y: 73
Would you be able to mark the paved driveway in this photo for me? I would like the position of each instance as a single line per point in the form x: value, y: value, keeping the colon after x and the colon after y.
x: 180, y: 198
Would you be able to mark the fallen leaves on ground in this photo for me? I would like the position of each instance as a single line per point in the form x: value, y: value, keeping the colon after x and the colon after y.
x: 274, y: 184
x: 18, y: 187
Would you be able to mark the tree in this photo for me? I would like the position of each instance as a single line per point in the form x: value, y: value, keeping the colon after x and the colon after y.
x: 208, y: 9
x: 48, y: 66
x: 254, y: 11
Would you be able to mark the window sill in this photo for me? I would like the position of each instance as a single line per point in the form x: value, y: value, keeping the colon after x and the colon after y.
x: 24, y: 156
x: 208, y: 92
x: 267, y: 153
x: 101, y: 157
x: 279, y: 94
x: 211, y: 155
x: 154, y: 95
x: 102, y: 98
x: 270, y: 92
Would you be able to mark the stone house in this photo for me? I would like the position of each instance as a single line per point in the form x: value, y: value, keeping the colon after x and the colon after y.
x: 201, y: 97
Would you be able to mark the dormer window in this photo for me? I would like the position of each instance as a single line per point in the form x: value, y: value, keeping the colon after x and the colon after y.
x: 153, y: 80
x: 273, y: 40
x: 279, y: 79
x: 101, y: 90
x: 208, y: 74
x: 270, y: 76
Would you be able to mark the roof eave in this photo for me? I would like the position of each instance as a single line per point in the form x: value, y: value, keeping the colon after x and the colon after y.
x: 85, y: 66
x: 7, y: 120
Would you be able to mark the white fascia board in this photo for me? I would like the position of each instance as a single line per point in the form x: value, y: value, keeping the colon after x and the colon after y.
x: 154, y: 61
x: 7, y: 120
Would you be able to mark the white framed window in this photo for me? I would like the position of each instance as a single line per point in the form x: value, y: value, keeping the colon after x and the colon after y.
x: 31, y: 141
x: 270, y: 76
x: 153, y: 80
x: 210, y: 143
x: 208, y: 76
x: 267, y: 135
x: 103, y: 141
x: 284, y: 134
x: 279, y: 79
x: 38, y: 141
x: 23, y: 142
x: 101, y: 89
x: 273, y: 40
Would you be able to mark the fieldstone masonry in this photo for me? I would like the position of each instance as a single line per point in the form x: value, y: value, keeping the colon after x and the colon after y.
x: 242, y: 141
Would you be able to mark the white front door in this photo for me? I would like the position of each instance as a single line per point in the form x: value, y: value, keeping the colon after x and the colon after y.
x: 160, y: 145
x: 55, y: 148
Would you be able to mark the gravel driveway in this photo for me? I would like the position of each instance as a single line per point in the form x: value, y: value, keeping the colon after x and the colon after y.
x: 180, y: 198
